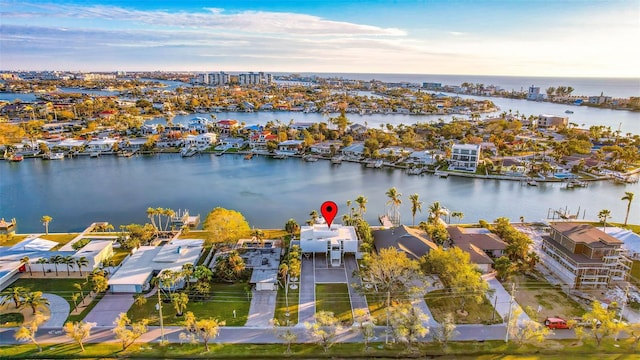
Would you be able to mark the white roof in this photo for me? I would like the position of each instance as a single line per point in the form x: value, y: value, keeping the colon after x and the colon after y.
x: 137, y: 268
x: 264, y: 276
x: 322, y: 232
x: 631, y: 240
x: 34, y: 244
x: 93, y: 248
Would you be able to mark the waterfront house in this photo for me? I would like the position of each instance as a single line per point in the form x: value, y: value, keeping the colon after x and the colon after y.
x: 225, y: 127
x: 200, y: 141
x: 326, y: 148
x: 258, y: 141
x: 413, y: 242
x: 230, y: 143
x: 136, y: 271
x: 199, y: 125
x: 353, y: 151
x: 291, y: 146
x: 421, y: 157
x: 583, y: 256
x: 334, y: 242
x: 464, y: 157
x: 263, y: 259
x: 100, y: 145
x: 301, y: 125
x: 481, y: 245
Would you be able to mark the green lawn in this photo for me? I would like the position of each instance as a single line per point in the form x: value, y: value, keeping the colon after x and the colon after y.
x: 10, y: 240
x: 119, y: 254
x: 377, y: 307
x: 61, y: 239
x: 635, y: 272
x: 441, y: 303
x: 281, y: 307
x: 11, y: 319
x: 334, y: 298
x: 224, y: 299
x: 53, y: 285
x: 549, y: 350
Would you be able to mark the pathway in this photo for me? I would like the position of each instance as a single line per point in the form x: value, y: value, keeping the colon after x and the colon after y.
x: 307, y: 295
x: 502, y: 299
x: 59, y: 308
x: 108, y: 309
x: 262, y: 309
x: 358, y: 300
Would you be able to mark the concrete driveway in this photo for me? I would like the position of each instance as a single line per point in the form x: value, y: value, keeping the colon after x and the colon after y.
x: 108, y: 309
x: 262, y: 309
x: 59, y: 308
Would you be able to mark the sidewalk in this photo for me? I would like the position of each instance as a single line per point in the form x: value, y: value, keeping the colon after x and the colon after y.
x: 502, y: 299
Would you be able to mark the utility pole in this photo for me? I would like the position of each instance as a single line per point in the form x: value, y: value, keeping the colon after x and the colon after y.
x: 161, y: 321
x: 513, y: 294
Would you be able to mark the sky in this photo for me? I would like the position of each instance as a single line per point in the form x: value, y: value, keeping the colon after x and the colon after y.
x: 572, y: 38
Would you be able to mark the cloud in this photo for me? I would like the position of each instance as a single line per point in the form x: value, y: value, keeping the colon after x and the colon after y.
x: 291, y: 24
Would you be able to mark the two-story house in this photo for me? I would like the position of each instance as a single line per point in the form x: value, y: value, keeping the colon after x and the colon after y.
x: 464, y: 157
x: 584, y: 257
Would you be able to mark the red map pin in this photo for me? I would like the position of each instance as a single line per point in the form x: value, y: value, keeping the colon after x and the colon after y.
x: 329, y: 210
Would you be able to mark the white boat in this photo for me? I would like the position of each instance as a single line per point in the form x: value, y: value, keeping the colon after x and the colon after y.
x: 95, y: 154
x: 310, y: 158
x: 188, y: 151
x: 280, y: 156
x: 415, y: 171
x: 53, y: 156
x: 336, y: 160
x: 568, y: 112
x: 125, y: 154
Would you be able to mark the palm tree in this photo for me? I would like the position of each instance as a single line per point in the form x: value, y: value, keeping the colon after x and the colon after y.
x: 151, y: 213
x: 291, y: 226
x: 55, y: 260
x: 458, y: 214
x: 81, y: 261
x: 68, y: 260
x: 362, y: 204
x: 314, y: 217
x: 416, y: 206
x: 45, y: 222
x: 42, y: 261
x: 394, y: 201
x: 436, y: 211
x: 15, y: 294
x: 187, y: 274
x: 79, y: 287
x: 603, y: 215
x: 258, y: 235
x: 25, y: 261
x: 629, y: 197
x: 34, y: 299
x: 180, y: 301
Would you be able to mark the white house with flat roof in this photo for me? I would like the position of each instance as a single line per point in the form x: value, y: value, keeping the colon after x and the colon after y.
x: 136, y: 271
x: 464, y: 157
x: 334, y: 241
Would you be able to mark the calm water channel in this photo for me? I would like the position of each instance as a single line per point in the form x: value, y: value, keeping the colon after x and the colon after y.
x: 76, y: 192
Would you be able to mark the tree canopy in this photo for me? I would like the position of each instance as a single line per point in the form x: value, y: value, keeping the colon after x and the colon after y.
x: 225, y: 226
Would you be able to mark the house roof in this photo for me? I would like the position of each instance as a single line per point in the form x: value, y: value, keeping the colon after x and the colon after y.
x: 415, y: 243
x: 586, y: 234
x: 483, y: 241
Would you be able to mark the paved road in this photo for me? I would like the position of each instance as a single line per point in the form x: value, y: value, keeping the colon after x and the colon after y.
x: 108, y: 309
x: 59, y: 308
x: 358, y: 300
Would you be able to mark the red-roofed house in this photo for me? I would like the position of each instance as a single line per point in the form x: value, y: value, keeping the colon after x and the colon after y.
x: 225, y: 127
x: 258, y: 141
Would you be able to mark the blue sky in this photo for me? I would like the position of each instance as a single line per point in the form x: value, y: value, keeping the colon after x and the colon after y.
x: 520, y: 38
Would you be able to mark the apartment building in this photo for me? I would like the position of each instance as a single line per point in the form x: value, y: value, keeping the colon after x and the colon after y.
x: 584, y: 257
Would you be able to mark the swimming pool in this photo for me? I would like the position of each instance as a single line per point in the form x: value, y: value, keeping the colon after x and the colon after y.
x: 564, y: 176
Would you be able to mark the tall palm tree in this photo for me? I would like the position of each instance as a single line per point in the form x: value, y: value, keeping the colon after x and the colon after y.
x: 151, y: 214
x: 628, y: 195
x: 41, y: 262
x: 55, y: 260
x: 79, y: 287
x: 259, y: 236
x: 436, y: 211
x: 25, y: 261
x: 416, y: 206
x: 394, y: 202
x: 362, y: 204
x: 283, y: 270
x: 603, y: 215
x: 457, y: 214
x: 45, y: 222
x: 68, y: 261
x: 15, y: 294
x: 314, y: 217
x: 81, y: 261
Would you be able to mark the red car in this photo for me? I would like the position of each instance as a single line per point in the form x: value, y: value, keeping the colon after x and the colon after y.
x: 556, y: 323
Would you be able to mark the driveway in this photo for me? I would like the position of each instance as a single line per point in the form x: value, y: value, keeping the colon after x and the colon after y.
x: 502, y: 299
x: 108, y: 309
x: 307, y: 294
x: 262, y: 309
x: 59, y: 309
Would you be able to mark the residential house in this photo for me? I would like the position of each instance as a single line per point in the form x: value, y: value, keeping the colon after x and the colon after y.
x: 100, y: 145
x: 334, y: 242
x: 583, y: 256
x: 326, y: 148
x: 258, y: 141
x: 291, y: 146
x: 464, y: 157
x: 414, y: 242
x: 481, y: 245
x: 226, y: 127
x: 421, y: 157
x: 199, y: 125
x: 552, y: 121
x: 353, y: 151
x: 230, y: 143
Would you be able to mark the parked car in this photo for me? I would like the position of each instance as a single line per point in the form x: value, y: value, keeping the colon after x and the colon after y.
x: 584, y: 323
x: 556, y: 323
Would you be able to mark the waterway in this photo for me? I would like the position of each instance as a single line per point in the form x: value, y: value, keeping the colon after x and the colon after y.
x: 76, y: 192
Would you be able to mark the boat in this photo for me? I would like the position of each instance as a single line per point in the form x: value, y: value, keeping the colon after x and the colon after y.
x: 310, y: 158
x: 415, y: 171
x: 280, y: 156
x: 188, y: 151
x: 125, y: 154
x: 441, y: 174
x: 532, y: 183
x: 95, y: 154
x: 249, y: 156
x: 568, y: 112
x: 54, y: 156
x: 336, y: 160
x: 576, y: 183
x: 16, y: 157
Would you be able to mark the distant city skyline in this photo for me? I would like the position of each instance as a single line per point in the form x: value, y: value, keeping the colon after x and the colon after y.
x: 514, y: 38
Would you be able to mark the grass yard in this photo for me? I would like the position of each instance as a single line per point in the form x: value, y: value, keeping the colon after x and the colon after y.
x: 61, y: 239
x: 531, y: 292
x: 223, y: 300
x: 377, y: 307
x: 11, y: 319
x: 193, y: 234
x: 58, y: 286
x: 635, y: 272
x: 119, y: 254
x: 441, y: 303
x: 10, y: 240
x: 548, y: 350
x: 334, y: 298
x: 281, y: 307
